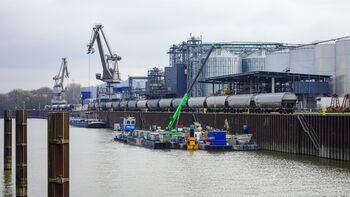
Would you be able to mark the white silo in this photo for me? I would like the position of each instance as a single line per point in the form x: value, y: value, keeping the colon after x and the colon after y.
x: 220, y: 62
x: 325, y: 62
x: 302, y: 60
x: 342, y: 68
x: 277, y: 61
x: 254, y: 61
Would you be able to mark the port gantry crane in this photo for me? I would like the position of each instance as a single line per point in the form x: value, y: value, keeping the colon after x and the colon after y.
x: 110, y: 75
x: 58, y: 87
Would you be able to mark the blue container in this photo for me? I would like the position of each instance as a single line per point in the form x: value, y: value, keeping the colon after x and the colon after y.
x: 219, y: 137
x: 85, y: 95
x: 245, y: 129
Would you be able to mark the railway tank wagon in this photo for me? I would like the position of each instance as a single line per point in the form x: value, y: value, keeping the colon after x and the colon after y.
x: 197, y: 103
x: 153, y: 105
x: 240, y: 103
x: 141, y: 105
x: 176, y: 102
x: 216, y: 103
x: 123, y: 105
x: 165, y: 104
x: 132, y: 105
x: 283, y: 102
x: 115, y: 105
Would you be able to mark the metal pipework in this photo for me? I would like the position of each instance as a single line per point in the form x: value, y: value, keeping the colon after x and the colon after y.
x: 7, y: 140
x: 58, y: 154
x: 21, y: 153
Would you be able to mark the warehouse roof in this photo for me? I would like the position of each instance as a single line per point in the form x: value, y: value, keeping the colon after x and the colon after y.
x: 264, y: 76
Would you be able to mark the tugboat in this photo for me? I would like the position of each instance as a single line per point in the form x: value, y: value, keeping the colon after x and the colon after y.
x: 126, y: 129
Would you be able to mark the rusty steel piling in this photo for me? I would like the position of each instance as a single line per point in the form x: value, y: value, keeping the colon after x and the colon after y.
x: 21, y: 153
x: 58, y: 154
x: 7, y: 140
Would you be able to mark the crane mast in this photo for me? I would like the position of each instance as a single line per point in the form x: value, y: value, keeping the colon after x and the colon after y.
x: 109, y: 61
x: 59, y: 80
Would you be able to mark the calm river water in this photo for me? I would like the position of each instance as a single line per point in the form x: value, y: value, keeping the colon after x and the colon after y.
x: 102, y: 167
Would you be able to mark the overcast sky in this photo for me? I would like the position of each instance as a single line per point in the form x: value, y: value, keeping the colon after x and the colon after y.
x: 36, y: 34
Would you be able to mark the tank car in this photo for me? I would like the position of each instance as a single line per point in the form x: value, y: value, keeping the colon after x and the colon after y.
x: 165, y: 104
x: 116, y: 106
x: 240, y: 103
x: 141, y: 104
x: 132, y: 105
x: 216, y: 103
x: 153, y: 104
x: 196, y: 103
x: 283, y: 102
x: 123, y: 105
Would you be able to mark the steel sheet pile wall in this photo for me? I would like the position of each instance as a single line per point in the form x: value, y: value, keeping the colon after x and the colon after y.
x: 282, y: 133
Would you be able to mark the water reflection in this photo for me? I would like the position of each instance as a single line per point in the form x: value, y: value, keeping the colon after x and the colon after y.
x: 101, y: 167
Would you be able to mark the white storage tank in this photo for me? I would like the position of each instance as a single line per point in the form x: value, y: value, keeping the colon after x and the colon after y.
x: 254, y: 61
x: 302, y: 60
x: 342, y: 69
x: 325, y: 62
x: 277, y: 61
x: 220, y: 62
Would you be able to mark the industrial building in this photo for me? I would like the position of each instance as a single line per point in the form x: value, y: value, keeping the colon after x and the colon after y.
x: 312, y: 70
x: 228, y: 58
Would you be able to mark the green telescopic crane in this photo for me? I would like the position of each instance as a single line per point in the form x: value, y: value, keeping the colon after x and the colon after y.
x: 185, y: 97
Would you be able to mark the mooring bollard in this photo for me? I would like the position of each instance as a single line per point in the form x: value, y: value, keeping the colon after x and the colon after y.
x: 58, y: 154
x: 21, y: 153
x: 7, y: 140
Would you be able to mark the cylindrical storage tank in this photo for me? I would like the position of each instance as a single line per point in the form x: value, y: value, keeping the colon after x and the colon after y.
x: 197, y: 102
x: 325, y: 62
x: 176, y: 102
x: 277, y: 61
x: 141, y: 104
x: 342, y: 69
x: 274, y: 100
x: 239, y: 101
x: 254, y: 61
x: 123, y: 104
x: 116, y: 105
x: 165, y: 103
x: 302, y: 60
x: 216, y: 102
x: 220, y: 62
x: 153, y: 104
x: 132, y: 104
x: 109, y: 105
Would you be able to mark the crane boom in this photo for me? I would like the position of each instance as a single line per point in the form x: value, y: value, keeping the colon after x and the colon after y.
x: 109, y: 61
x: 62, y: 73
x: 186, y: 96
x: 59, y: 79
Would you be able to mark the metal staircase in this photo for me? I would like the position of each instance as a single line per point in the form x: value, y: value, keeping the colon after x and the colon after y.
x: 309, y: 131
x: 143, y: 120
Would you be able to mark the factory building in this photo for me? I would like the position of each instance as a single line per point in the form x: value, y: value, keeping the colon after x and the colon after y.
x: 243, y: 56
x: 175, y: 80
x: 312, y: 70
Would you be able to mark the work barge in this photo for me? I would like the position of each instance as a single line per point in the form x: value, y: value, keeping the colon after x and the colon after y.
x: 325, y: 136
